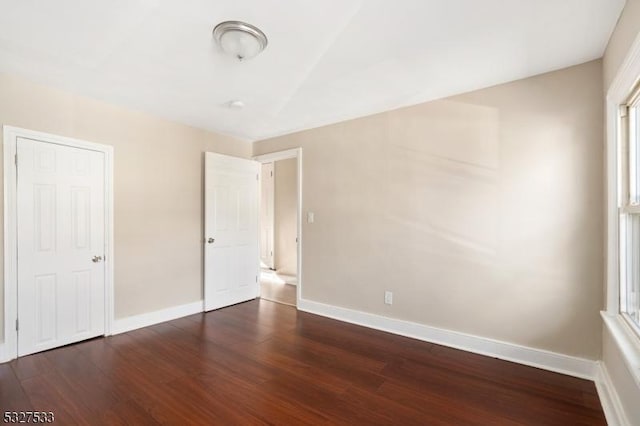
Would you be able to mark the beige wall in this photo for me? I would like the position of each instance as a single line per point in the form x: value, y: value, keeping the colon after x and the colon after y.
x: 285, y: 216
x: 621, y: 40
x: 481, y: 212
x: 158, y: 188
x: 622, y: 37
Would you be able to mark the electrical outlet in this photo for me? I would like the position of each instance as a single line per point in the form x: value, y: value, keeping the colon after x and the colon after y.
x: 388, y: 298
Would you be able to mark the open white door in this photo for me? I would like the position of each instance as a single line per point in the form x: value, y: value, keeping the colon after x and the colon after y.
x: 61, y: 237
x: 231, y: 251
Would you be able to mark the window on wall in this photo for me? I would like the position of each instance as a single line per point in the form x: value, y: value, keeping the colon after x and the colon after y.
x: 630, y: 210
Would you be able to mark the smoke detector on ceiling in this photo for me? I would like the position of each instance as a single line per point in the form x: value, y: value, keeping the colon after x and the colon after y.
x: 239, y: 39
x: 235, y: 104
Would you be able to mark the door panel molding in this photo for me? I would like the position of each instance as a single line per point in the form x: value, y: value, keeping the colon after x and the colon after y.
x: 9, y: 349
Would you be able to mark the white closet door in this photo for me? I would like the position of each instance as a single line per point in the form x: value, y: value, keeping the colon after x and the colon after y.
x: 61, y: 235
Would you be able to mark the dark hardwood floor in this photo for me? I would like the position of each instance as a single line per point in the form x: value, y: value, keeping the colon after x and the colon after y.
x: 265, y: 363
x: 276, y: 292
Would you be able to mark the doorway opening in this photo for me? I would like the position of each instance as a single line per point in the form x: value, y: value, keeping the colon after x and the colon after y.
x: 279, y: 227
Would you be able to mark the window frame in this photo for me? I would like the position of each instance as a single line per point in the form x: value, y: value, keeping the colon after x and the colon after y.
x: 626, y: 339
x: 628, y: 189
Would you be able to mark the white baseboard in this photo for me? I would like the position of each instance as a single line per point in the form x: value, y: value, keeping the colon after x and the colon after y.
x: 278, y: 277
x: 150, y: 318
x: 289, y: 279
x: 137, y: 321
x: 611, y: 405
x: 565, y: 364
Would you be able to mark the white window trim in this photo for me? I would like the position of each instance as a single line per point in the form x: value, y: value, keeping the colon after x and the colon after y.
x: 618, y: 93
x: 9, y: 349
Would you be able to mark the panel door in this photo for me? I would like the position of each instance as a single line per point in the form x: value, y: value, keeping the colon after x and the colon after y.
x: 231, y: 230
x: 61, y: 235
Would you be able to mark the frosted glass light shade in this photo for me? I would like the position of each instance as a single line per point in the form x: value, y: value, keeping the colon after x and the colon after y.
x: 242, y: 40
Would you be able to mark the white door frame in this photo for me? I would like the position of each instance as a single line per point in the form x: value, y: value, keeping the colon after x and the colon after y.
x: 273, y: 209
x: 285, y: 155
x: 9, y: 349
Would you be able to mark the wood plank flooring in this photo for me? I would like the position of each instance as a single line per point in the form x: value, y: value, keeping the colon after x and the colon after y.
x: 264, y: 363
x: 276, y: 292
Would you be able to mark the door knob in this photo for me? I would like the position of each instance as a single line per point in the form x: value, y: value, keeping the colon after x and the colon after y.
x: 96, y: 259
x: 211, y: 240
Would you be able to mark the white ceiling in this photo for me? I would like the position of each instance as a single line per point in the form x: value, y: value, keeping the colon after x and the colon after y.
x: 327, y: 60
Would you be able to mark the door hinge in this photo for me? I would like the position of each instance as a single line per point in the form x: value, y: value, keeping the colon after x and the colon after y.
x: 15, y: 159
x: 624, y: 111
x: 17, y: 324
x: 257, y: 176
x: 271, y: 173
x: 256, y: 278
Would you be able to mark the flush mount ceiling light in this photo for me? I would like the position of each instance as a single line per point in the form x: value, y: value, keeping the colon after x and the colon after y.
x: 242, y: 40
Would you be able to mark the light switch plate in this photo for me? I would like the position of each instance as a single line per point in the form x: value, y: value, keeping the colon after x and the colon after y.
x: 310, y: 217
